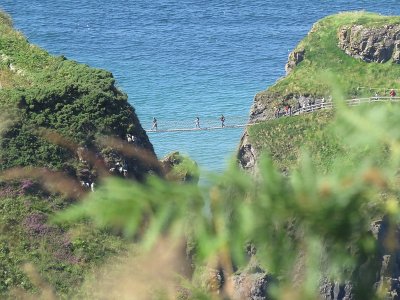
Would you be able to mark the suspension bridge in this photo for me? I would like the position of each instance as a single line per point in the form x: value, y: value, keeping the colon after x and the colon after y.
x: 207, y: 123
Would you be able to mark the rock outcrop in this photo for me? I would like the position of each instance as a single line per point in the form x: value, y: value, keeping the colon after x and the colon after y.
x: 371, y: 44
x: 177, y: 167
x: 295, y: 57
x: 335, y: 291
x: 251, y: 286
x: 247, y: 155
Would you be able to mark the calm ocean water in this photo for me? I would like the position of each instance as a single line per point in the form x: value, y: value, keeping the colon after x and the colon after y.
x: 179, y: 59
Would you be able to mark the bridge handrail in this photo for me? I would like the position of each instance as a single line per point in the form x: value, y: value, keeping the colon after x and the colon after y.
x: 351, y: 102
x: 321, y: 104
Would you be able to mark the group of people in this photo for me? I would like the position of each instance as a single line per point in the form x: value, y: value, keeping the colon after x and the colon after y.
x: 286, y: 110
x: 392, y: 93
x: 196, y: 121
x: 120, y: 168
x: 131, y: 138
x: 87, y: 185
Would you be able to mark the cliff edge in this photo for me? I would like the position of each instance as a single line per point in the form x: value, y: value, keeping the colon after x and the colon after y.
x: 350, y: 55
x: 361, y: 49
x: 63, y: 125
x: 62, y: 115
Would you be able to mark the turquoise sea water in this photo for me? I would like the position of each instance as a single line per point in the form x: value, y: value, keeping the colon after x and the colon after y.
x: 180, y: 59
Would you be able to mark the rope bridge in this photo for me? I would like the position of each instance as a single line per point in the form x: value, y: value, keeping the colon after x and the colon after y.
x: 243, y: 121
x: 205, y: 123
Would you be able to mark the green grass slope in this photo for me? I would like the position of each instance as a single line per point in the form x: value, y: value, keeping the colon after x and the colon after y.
x: 284, y: 139
x: 41, y: 93
x: 38, y: 90
x: 60, y: 255
x: 322, y: 56
x: 325, y: 71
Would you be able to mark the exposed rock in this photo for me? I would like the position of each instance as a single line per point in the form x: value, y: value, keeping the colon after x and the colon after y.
x: 251, y: 286
x: 295, y: 57
x: 389, y: 255
x: 335, y: 291
x: 209, y: 279
x: 376, y: 44
x: 177, y: 167
x: 264, y: 108
x: 171, y: 160
x: 381, y: 272
x: 259, y: 110
x: 82, y: 153
x: 247, y: 155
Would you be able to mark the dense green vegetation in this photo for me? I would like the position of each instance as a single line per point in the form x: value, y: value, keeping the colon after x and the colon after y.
x: 62, y: 255
x: 178, y: 167
x: 284, y: 139
x: 49, y: 107
x: 42, y: 91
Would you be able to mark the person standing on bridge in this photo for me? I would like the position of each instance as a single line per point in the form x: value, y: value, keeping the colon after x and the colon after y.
x: 392, y: 93
x: 197, y: 122
x: 222, y: 119
x: 154, y: 127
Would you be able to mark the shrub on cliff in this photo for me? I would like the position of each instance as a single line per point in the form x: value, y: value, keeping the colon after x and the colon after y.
x: 55, y: 114
x: 40, y: 91
x: 178, y: 167
x: 61, y: 255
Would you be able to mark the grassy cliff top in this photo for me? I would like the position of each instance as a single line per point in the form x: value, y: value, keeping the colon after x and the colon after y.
x: 24, y: 65
x: 38, y: 90
x: 323, y: 56
x: 80, y: 103
x: 325, y: 70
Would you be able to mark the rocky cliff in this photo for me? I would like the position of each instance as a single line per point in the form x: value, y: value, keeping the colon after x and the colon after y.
x: 358, y: 52
x: 371, y: 44
x: 360, y: 49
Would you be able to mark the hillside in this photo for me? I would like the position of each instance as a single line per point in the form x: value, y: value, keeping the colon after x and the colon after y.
x: 343, y: 56
x: 41, y: 93
x: 61, y: 122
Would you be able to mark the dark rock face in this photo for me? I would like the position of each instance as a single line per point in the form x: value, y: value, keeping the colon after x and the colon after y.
x: 295, y: 57
x: 379, y: 44
x: 247, y: 156
x: 381, y: 272
x: 388, y: 276
x: 251, y: 286
x: 171, y: 160
x: 335, y: 291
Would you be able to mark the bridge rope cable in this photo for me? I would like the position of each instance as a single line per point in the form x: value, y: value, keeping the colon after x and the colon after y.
x: 243, y: 121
